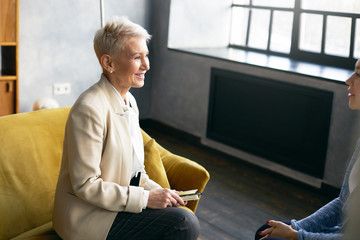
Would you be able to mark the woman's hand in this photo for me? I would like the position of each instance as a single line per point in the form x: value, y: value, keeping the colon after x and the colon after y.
x: 163, y: 197
x: 279, y: 229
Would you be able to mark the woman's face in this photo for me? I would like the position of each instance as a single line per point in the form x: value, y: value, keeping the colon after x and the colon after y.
x: 354, y: 88
x: 130, y: 66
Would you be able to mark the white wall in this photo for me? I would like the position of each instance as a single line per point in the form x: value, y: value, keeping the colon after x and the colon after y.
x: 56, y: 45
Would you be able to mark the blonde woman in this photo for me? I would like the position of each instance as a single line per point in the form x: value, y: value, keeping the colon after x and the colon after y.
x: 103, y: 191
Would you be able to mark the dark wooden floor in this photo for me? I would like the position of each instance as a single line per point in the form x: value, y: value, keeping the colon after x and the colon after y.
x: 239, y: 197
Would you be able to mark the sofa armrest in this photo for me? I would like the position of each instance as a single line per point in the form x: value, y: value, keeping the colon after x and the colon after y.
x: 184, y: 174
x: 43, y: 232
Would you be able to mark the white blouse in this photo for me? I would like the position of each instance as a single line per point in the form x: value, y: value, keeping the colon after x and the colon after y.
x: 136, y: 140
x: 135, y: 135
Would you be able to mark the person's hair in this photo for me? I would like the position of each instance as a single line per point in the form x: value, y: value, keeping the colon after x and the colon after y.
x: 111, y: 38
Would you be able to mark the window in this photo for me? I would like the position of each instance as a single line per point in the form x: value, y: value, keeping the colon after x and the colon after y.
x: 322, y: 31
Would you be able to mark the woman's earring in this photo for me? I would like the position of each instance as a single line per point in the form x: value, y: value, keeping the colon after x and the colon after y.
x: 111, y: 71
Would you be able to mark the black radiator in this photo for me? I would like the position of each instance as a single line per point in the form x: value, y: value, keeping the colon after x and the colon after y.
x: 281, y: 122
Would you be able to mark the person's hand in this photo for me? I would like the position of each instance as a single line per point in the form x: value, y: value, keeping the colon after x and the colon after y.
x: 163, y: 197
x: 279, y: 229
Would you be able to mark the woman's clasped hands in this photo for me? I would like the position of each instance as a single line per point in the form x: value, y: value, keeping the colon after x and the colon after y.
x: 278, y: 229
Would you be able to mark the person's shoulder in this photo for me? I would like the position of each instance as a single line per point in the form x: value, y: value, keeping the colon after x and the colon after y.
x: 91, y: 100
x: 93, y: 95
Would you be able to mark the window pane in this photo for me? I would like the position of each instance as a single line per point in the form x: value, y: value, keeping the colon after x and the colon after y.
x: 357, y: 40
x: 259, y: 28
x: 281, y: 31
x: 338, y: 33
x: 239, y: 24
x: 247, y: 2
x: 275, y: 3
x: 310, y: 32
x: 348, y: 6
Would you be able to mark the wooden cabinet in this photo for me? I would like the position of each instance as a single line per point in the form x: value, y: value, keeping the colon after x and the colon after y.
x: 9, y: 51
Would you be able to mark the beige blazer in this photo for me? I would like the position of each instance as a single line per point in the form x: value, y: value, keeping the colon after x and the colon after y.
x: 94, y: 178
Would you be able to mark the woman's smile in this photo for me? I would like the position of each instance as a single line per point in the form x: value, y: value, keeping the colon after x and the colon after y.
x: 140, y: 75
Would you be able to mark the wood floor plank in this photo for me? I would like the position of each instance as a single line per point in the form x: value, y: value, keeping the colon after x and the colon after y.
x: 211, y: 232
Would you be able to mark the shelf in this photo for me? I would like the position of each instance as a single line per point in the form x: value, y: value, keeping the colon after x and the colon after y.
x: 7, y: 60
x: 7, y: 78
x: 8, y: 44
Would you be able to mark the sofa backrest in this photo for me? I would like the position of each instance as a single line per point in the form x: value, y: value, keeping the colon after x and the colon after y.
x: 30, y: 156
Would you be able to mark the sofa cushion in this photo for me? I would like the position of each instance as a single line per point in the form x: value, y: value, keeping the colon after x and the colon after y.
x: 30, y: 155
x: 153, y: 164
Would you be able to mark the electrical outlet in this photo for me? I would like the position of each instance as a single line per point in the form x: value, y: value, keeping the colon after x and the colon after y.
x: 62, y: 88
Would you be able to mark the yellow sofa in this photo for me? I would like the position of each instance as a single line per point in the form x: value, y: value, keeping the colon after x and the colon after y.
x: 30, y: 156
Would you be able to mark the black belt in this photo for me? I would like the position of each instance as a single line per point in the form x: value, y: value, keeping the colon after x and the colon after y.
x: 135, y: 181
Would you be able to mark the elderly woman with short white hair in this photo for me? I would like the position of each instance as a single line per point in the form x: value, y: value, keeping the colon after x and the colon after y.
x: 103, y: 191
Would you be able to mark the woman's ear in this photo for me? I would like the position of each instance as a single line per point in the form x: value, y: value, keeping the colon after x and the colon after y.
x: 106, y: 62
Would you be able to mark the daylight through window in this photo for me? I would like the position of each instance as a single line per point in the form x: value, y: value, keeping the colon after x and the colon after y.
x: 323, y: 31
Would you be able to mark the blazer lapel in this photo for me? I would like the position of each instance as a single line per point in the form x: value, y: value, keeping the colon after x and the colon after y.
x: 108, y: 90
x: 114, y: 102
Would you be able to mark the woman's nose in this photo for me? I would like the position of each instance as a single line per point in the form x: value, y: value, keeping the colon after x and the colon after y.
x: 350, y: 79
x: 145, y: 64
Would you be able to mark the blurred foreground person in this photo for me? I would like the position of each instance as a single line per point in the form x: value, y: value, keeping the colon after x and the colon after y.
x: 329, y: 222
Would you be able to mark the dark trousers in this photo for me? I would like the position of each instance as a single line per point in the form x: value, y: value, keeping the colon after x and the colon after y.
x: 265, y: 226
x: 168, y: 223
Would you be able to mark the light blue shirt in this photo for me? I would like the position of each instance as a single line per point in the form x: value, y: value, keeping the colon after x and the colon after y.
x: 327, y: 223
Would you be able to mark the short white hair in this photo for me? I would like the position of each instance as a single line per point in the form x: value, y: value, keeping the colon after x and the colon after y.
x: 111, y: 38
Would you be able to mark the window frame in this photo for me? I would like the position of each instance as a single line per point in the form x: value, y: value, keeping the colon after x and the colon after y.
x: 295, y: 53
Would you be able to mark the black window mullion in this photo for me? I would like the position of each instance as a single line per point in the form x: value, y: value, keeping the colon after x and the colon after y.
x: 295, y: 30
x: 337, y: 14
x: 263, y: 7
x: 248, y: 27
x: 323, y: 40
x: 270, y: 29
x: 352, y: 38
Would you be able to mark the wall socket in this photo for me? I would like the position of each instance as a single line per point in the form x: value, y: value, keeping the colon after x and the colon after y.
x: 62, y: 88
